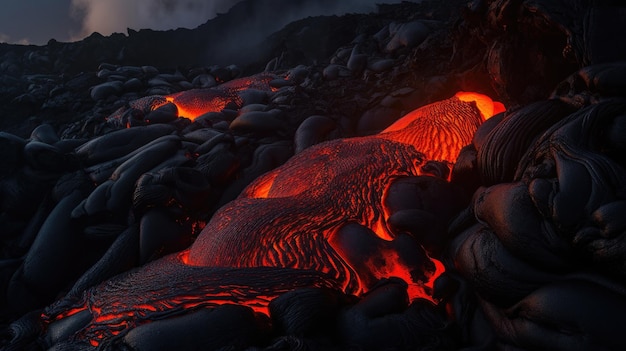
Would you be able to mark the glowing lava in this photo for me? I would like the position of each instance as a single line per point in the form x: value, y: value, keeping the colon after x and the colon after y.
x: 440, y: 130
x: 196, y: 102
x: 485, y: 105
x: 318, y: 220
x: 296, y: 215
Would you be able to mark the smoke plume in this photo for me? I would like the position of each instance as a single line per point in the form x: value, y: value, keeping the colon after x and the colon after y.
x: 107, y: 17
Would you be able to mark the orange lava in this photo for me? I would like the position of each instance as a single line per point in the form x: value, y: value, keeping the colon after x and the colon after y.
x: 488, y: 108
x: 288, y: 217
x: 436, y: 129
x: 196, y: 102
x: 316, y: 221
x: 391, y: 266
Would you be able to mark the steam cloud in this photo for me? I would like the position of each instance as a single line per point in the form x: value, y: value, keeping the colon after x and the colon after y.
x: 107, y: 17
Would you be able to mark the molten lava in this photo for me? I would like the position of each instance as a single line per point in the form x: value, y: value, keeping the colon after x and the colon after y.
x: 319, y: 220
x: 437, y: 130
x: 196, y: 102
x: 485, y: 105
x: 296, y: 215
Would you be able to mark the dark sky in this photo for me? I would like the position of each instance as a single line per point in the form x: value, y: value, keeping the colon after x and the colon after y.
x: 37, y: 21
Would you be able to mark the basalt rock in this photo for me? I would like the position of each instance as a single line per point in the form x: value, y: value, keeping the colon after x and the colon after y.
x: 548, y: 231
x: 528, y: 228
x: 276, y: 212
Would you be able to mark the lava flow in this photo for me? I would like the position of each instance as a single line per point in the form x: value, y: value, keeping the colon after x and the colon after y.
x: 196, y: 102
x: 318, y: 220
x: 323, y: 210
x: 191, y: 103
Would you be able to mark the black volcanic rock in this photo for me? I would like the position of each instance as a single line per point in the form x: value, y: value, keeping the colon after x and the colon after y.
x: 103, y: 166
x: 232, y: 38
x: 66, y: 68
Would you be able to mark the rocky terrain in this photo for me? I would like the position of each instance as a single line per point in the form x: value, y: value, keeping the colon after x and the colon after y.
x: 117, y: 151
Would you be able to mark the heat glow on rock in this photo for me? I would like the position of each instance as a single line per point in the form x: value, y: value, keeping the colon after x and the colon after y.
x: 317, y: 221
x: 297, y: 215
x: 196, y: 102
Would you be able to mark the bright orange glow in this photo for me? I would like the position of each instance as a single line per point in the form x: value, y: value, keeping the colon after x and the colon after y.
x: 316, y: 221
x: 441, y: 129
x: 184, y: 257
x: 194, y: 103
x: 161, y: 290
x: 391, y: 266
x: 488, y: 108
x: 262, y: 187
x: 381, y: 231
x: 285, y: 212
x: 71, y: 312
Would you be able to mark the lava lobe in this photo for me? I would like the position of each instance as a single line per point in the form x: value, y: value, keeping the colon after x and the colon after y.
x: 320, y: 220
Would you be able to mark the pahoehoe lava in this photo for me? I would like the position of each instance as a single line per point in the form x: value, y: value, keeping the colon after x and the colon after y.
x: 317, y: 221
x: 375, y: 232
